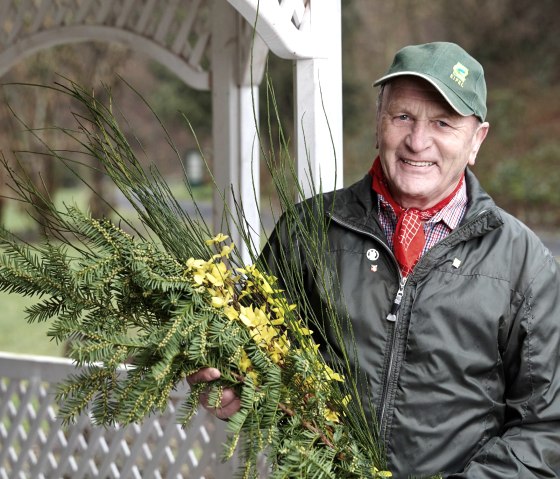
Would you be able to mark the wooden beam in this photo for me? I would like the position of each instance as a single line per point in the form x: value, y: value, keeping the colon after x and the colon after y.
x: 315, y: 47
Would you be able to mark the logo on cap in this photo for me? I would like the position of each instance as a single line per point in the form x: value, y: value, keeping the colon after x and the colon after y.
x: 459, y: 73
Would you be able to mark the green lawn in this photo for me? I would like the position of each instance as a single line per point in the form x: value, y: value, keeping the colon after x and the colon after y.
x: 18, y: 336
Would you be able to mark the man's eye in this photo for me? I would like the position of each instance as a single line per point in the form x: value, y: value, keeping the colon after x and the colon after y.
x: 442, y: 124
x: 403, y: 117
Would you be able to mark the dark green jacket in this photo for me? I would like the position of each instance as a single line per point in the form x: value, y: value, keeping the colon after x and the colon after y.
x: 466, y: 381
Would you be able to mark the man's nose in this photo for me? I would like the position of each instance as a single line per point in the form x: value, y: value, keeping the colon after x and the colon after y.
x: 419, y: 137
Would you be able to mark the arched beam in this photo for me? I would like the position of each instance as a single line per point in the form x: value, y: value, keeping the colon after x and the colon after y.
x: 81, y: 33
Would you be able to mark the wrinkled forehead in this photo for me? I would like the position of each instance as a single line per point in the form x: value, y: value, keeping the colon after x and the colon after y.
x: 413, y: 89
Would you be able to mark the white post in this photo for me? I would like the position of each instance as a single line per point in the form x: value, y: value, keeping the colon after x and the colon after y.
x: 235, y: 116
x: 318, y: 103
x: 225, y: 105
x: 249, y: 178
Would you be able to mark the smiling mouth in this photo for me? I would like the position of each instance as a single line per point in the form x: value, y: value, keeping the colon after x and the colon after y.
x: 417, y: 164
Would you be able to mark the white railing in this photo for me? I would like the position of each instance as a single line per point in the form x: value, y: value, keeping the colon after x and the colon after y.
x: 33, y: 443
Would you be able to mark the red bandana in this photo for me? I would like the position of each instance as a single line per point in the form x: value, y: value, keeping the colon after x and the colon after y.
x: 409, y: 238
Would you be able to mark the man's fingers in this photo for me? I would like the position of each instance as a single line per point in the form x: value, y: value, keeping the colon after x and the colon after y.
x: 204, y: 375
x: 228, y: 397
x: 230, y: 402
x: 227, y: 410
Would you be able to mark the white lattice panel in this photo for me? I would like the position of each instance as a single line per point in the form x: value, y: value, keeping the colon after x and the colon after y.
x: 33, y: 444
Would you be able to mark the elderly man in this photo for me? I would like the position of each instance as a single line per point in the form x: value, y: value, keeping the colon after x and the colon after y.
x: 454, y: 303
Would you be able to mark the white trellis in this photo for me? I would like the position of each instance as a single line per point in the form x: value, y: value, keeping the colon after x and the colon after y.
x: 34, y: 445
x: 208, y: 44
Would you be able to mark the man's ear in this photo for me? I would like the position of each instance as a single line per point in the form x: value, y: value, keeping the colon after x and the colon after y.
x: 478, y: 139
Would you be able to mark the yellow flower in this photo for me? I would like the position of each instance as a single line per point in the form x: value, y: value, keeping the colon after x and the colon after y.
x: 276, y: 357
x: 254, y: 376
x: 263, y: 334
x: 195, y: 263
x: 219, y: 238
x: 262, y: 317
x: 331, y: 415
x: 244, y: 362
x: 247, y: 316
x: 231, y: 313
x: 226, y: 250
x: 282, y: 345
x: 331, y: 375
x: 216, y: 274
x: 280, y: 308
x: 301, y: 330
x: 378, y: 473
x: 266, y: 286
x: 216, y: 281
x: 218, y: 301
x: 222, y: 268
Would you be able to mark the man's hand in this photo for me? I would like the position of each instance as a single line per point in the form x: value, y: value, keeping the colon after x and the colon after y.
x: 230, y: 401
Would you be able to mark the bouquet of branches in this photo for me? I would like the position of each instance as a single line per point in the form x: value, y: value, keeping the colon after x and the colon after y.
x: 176, y: 299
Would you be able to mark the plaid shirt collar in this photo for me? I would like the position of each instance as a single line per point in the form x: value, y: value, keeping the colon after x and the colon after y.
x: 446, y: 220
x: 453, y: 213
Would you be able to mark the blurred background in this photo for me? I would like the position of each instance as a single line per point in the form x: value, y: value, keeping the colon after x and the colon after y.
x: 519, y: 164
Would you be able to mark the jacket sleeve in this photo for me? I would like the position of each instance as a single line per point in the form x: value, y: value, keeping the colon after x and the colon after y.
x: 529, y: 446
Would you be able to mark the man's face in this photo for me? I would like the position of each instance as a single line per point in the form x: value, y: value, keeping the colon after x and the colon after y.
x: 424, y: 145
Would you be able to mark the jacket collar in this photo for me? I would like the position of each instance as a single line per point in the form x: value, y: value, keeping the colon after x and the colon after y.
x: 478, y: 199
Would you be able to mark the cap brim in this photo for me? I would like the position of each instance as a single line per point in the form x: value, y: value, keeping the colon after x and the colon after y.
x: 450, y: 97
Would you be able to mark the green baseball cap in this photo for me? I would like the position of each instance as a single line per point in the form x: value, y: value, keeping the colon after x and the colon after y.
x: 455, y: 74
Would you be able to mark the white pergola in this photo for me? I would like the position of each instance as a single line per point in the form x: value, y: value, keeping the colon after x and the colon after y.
x: 210, y: 45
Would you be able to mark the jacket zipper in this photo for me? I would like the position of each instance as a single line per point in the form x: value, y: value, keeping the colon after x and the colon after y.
x: 391, y: 317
